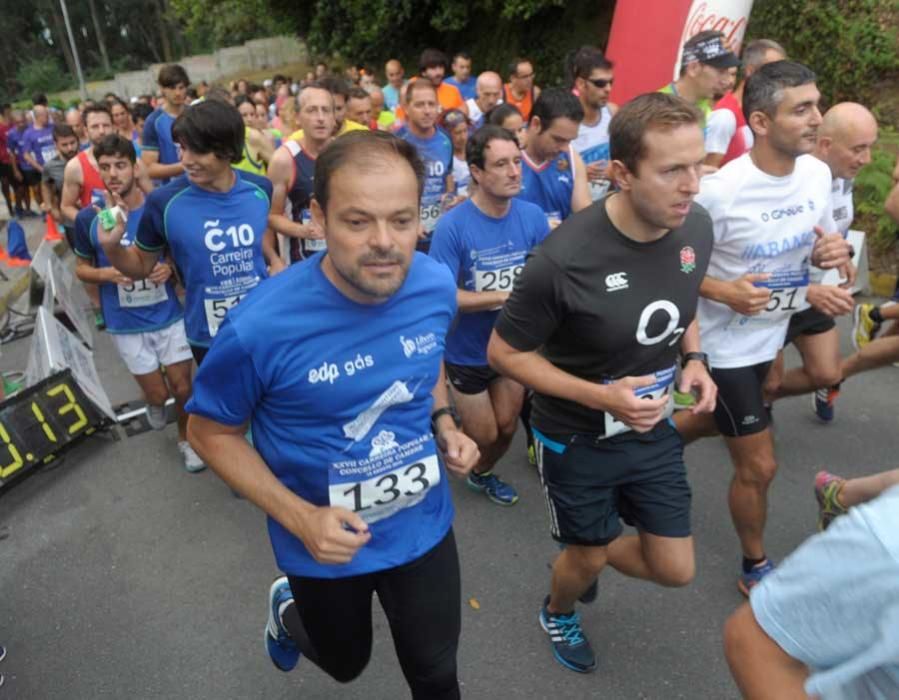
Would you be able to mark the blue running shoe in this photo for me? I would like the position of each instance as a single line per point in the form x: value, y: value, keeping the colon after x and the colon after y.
x: 822, y: 403
x: 570, y: 646
x: 496, y: 490
x: 747, y: 582
x: 281, y: 648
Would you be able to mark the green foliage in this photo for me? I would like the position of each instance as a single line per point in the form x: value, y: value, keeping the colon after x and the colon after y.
x: 212, y: 24
x: 851, y: 44
x: 493, y: 31
x: 872, y: 185
x: 43, y: 74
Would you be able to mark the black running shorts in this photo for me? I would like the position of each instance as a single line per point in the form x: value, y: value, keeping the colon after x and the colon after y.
x: 741, y: 407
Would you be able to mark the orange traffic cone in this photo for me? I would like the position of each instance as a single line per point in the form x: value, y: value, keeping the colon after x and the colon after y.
x: 52, y: 231
x: 2, y: 253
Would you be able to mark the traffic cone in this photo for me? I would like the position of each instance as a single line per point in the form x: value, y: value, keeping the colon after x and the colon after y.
x: 52, y: 230
x: 2, y: 253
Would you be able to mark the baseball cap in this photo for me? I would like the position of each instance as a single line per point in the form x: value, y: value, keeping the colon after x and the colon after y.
x: 709, y: 48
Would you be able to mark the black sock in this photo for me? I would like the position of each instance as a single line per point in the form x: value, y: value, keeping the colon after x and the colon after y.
x: 874, y: 315
x: 748, y: 563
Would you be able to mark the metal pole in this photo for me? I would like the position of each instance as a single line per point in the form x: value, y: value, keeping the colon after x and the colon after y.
x: 65, y: 15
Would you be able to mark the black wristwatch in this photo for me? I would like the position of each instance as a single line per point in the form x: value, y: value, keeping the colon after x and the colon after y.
x: 701, y: 356
x: 445, y: 411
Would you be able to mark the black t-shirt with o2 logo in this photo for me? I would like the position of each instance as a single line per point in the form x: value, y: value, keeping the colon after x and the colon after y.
x: 602, y: 306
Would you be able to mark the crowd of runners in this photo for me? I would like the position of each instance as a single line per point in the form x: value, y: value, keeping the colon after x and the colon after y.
x: 620, y: 279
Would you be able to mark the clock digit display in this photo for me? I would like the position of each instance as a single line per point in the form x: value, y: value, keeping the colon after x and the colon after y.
x: 41, y: 421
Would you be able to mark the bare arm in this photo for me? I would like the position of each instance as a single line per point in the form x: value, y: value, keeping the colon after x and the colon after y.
x: 460, y: 452
x: 71, y: 190
x: 580, y: 197
x: 87, y: 272
x: 741, y: 294
x: 158, y: 171
x: 132, y: 261
x: 31, y: 160
x: 261, y: 145
x: 144, y: 181
x: 279, y: 172
x: 321, y: 528
x: 50, y: 204
x: 472, y: 302
x: 891, y: 205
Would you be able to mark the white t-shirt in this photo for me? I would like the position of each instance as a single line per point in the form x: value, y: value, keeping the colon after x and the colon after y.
x: 461, y: 175
x: 475, y: 113
x: 592, y: 144
x: 762, y: 223
x: 720, y: 129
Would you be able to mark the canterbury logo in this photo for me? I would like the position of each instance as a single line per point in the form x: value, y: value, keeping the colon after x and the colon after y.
x: 616, y: 282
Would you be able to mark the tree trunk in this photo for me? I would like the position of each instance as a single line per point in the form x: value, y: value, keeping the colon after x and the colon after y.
x: 60, y: 37
x: 101, y: 41
x: 168, y: 56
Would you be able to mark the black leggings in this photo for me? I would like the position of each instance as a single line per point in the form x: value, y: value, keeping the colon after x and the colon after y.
x: 422, y: 601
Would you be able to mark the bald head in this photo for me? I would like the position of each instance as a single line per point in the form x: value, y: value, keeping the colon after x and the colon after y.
x: 845, y: 137
x: 394, y: 71
x: 377, y: 100
x: 489, y: 88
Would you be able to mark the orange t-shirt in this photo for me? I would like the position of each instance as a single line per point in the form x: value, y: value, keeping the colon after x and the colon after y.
x: 524, y: 105
x: 448, y: 97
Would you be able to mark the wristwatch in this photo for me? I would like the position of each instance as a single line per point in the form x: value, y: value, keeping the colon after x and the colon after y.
x: 701, y: 356
x: 445, y: 411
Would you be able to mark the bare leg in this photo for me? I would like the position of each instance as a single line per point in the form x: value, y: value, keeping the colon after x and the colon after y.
x: 179, y: 380
x: 692, y: 427
x: 857, y: 491
x: 880, y: 352
x: 820, y: 365
x: 490, y: 418
x: 754, y: 469
x: 668, y: 561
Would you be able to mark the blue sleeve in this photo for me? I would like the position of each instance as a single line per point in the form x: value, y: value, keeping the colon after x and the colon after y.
x: 84, y: 247
x: 261, y: 182
x: 227, y: 387
x: 150, y: 137
x: 540, y: 223
x: 151, y: 231
x: 445, y: 246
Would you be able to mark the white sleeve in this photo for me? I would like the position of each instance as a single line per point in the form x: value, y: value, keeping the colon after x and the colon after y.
x: 712, y: 196
x: 720, y: 129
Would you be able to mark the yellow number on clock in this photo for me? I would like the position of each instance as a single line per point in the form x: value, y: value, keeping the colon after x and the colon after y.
x: 39, y: 414
x: 17, y: 461
x: 72, y: 405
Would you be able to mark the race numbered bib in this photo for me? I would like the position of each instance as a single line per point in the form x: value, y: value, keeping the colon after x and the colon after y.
x: 141, y: 293
x: 313, y: 245
x: 48, y: 153
x: 598, y: 189
x: 788, y: 292
x: 497, y: 280
x: 217, y: 309
x: 429, y: 214
x: 394, y: 484
x: 661, y: 387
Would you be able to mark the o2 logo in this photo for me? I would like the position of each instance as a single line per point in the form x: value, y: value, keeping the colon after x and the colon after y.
x: 672, y: 329
x: 216, y: 239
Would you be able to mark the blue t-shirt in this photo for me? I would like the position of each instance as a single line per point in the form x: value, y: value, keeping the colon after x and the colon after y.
x: 158, y: 137
x: 437, y: 154
x: 484, y: 254
x: 14, y: 142
x: 467, y: 88
x: 549, y: 185
x: 39, y: 143
x: 214, y: 239
x: 138, y: 307
x: 391, y: 97
x: 340, y: 401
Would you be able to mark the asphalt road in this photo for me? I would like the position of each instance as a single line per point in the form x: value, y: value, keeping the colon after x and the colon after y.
x: 123, y: 576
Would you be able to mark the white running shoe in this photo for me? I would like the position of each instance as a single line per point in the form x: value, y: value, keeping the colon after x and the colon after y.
x: 192, y: 461
x: 156, y: 417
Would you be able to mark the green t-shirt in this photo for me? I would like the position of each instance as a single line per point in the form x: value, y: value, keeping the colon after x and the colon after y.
x: 705, y: 104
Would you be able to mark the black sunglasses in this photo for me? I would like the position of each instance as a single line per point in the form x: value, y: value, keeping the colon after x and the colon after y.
x: 601, y: 82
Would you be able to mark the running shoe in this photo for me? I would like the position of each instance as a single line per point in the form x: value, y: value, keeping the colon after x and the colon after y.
x: 282, y: 650
x: 2, y: 652
x: 570, y: 646
x: 822, y: 403
x: 192, y: 461
x: 156, y: 417
x: 865, y: 328
x: 494, y: 488
x: 827, y: 492
x: 748, y: 581
x: 99, y: 320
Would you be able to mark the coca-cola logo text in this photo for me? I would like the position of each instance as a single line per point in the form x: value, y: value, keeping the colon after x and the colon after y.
x: 702, y: 18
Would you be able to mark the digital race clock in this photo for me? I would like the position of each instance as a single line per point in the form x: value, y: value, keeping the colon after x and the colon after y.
x: 41, y: 422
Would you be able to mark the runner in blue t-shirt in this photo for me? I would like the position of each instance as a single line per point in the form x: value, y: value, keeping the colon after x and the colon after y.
x: 340, y: 398
x: 436, y: 151
x: 37, y: 147
x: 484, y: 242
x: 160, y: 151
x: 462, y: 77
x: 553, y: 175
x: 213, y: 222
x: 144, y: 317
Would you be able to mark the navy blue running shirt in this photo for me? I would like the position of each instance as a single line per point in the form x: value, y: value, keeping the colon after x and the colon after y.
x: 215, y: 240
x: 340, y: 401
